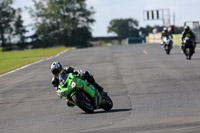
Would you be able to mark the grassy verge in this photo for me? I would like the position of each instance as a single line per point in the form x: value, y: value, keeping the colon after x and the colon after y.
x: 15, y: 59
x: 177, y: 39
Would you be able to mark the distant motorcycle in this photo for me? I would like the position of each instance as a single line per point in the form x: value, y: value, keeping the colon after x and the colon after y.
x: 82, y: 94
x: 188, y: 47
x: 167, y: 44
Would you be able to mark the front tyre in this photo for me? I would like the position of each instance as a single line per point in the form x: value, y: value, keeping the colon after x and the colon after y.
x: 188, y: 53
x: 108, y: 104
x: 167, y: 50
x: 83, y: 103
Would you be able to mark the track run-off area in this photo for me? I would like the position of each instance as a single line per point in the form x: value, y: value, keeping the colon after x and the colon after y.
x: 152, y: 93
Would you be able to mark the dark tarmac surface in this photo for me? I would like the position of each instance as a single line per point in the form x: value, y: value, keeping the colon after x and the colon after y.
x: 152, y: 93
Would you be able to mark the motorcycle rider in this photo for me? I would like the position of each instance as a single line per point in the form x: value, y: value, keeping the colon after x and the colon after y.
x: 56, y: 69
x: 165, y: 33
x: 188, y: 33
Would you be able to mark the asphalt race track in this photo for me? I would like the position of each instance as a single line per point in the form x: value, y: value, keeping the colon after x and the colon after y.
x: 152, y: 93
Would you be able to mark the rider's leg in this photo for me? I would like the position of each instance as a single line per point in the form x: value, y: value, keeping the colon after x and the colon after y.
x: 194, y: 47
x: 183, y: 49
x: 88, y: 76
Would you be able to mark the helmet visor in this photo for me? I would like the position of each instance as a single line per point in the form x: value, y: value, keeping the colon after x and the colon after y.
x: 55, y: 71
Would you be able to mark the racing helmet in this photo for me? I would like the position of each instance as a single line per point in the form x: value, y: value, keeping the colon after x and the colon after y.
x: 187, y: 28
x: 165, y: 29
x: 56, y: 68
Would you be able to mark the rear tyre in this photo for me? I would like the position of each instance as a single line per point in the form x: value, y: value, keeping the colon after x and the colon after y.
x: 108, y: 104
x: 82, y: 102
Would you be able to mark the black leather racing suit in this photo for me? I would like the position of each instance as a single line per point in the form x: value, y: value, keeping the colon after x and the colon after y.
x: 83, y: 75
x: 189, y: 34
x: 166, y: 34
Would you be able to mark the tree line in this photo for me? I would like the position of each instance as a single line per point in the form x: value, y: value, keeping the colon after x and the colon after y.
x: 58, y: 23
x: 12, y: 30
x: 129, y: 27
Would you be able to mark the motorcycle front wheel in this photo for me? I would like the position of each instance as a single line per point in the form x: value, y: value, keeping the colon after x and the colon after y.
x: 189, y: 53
x: 83, y: 102
x: 167, y: 49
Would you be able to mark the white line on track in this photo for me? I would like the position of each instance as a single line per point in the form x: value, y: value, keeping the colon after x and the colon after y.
x: 1, y: 75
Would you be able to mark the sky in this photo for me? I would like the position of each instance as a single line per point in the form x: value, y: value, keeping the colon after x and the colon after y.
x: 106, y: 10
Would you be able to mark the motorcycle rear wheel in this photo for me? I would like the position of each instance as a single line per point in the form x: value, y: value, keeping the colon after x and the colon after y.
x: 108, y: 104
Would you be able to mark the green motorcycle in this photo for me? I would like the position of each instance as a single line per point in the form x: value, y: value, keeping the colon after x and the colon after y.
x: 82, y: 94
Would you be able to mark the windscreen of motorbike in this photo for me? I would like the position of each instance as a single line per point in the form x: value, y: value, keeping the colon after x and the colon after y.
x: 62, y: 78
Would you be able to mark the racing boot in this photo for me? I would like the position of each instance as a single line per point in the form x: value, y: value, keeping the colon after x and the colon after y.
x: 194, y: 47
x: 69, y: 104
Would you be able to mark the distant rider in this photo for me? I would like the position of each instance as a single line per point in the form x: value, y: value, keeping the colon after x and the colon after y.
x: 56, y: 68
x: 165, y: 33
x: 188, y: 33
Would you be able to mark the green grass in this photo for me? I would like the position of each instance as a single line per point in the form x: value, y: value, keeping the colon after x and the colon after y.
x: 147, y: 39
x: 14, y: 59
x: 177, y: 39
